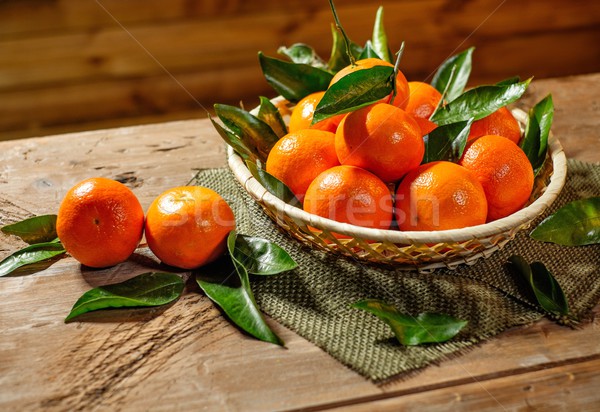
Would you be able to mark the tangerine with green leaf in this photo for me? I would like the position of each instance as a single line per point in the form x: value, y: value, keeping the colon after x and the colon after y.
x: 402, y: 90
x: 303, y: 112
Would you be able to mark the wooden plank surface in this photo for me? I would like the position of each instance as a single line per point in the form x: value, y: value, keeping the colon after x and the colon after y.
x: 189, y: 357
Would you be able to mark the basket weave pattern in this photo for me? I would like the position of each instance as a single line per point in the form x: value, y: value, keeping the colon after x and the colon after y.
x: 424, y: 251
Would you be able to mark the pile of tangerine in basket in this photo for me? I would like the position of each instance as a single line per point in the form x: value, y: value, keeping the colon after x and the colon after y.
x: 345, y: 167
x: 365, y: 146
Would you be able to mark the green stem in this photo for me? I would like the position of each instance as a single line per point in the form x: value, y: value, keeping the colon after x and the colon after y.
x: 338, y: 25
x: 395, y: 73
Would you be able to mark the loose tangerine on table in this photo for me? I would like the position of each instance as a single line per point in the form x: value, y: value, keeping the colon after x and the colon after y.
x: 100, y: 222
x: 187, y: 227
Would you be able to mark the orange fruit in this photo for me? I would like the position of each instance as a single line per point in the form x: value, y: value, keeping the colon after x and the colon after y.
x: 500, y: 123
x: 402, y: 92
x: 302, y: 115
x: 440, y: 196
x: 100, y: 222
x: 382, y: 139
x: 423, y: 100
x: 187, y: 226
x: 298, y: 157
x: 504, y: 172
x: 352, y: 195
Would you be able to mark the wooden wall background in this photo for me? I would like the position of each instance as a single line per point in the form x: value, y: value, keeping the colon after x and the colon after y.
x: 69, y: 65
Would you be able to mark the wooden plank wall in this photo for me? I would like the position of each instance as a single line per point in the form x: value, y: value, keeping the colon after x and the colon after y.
x: 70, y: 65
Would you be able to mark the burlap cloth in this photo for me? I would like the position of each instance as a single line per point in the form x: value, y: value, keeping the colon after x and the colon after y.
x: 314, y: 300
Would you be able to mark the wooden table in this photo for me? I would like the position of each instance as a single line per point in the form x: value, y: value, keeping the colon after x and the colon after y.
x: 190, y: 358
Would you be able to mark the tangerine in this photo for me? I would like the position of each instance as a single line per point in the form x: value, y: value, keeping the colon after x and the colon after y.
x: 504, y: 172
x: 500, y: 123
x: 352, y: 195
x: 298, y: 157
x: 187, y: 226
x: 100, y: 222
x: 382, y: 139
x: 402, y: 91
x: 302, y: 115
x: 440, y: 196
x: 423, y: 100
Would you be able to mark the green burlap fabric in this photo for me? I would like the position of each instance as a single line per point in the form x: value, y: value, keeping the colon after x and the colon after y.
x: 314, y: 300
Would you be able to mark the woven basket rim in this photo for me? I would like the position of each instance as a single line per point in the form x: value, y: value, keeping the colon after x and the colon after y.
x: 525, y: 215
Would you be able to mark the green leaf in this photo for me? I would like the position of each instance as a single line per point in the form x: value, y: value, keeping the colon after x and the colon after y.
x: 510, y: 80
x: 261, y: 257
x: 31, y: 254
x: 355, y: 90
x: 379, y: 38
x: 275, y: 186
x: 292, y: 80
x: 226, y: 283
x: 447, y: 142
x: 368, y: 52
x: 424, y: 328
x: 234, y: 141
x: 303, y: 54
x: 456, y: 85
x: 546, y: 289
x: 253, y: 132
x: 147, y: 289
x: 339, y: 58
x: 37, y: 229
x: 269, y: 114
x: 535, y: 140
x: 575, y: 224
x: 479, y: 102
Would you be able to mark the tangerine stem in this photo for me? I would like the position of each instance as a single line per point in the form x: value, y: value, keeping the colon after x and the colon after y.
x: 395, y: 73
x: 338, y: 26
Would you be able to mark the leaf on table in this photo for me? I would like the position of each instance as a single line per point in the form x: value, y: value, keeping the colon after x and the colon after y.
x: 339, y: 58
x: 226, y: 283
x: 546, y: 289
x: 411, y: 330
x: 260, y: 256
x: 268, y: 113
x: 447, y: 142
x: 275, y: 186
x: 37, y: 252
x: 37, y: 229
x: 253, y: 132
x: 479, y: 102
x: 379, y: 41
x: 535, y: 140
x: 575, y: 224
x: 455, y: 85
x: 145, y: 290
x: 303, y: 54
x: 293, y: 80
x: 355, y: 90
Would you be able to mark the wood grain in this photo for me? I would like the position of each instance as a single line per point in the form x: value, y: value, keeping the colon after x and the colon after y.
x: 189, y: 357
x: 67, y: 53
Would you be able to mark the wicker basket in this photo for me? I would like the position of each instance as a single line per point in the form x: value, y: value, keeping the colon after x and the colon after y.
x: 423, y: 251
